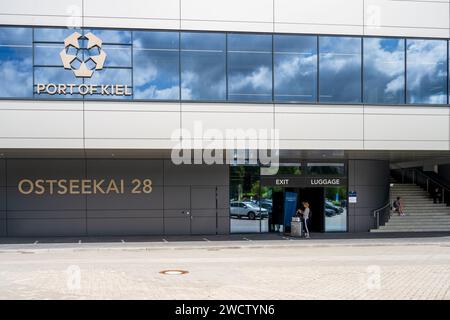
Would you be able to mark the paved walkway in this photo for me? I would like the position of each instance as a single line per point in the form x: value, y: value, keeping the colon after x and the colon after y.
x: 245, y: 267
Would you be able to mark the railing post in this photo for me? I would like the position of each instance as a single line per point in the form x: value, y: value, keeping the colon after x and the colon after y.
x: 413, y: 176
x: 427, y: 184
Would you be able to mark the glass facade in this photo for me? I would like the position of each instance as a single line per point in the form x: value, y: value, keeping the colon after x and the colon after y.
x: 384, y: 70
x: 235, y: 67
x: 340, y: 69
x: 258, y: 204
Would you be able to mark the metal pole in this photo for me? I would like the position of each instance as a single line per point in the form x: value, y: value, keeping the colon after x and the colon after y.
x: 427, y: 184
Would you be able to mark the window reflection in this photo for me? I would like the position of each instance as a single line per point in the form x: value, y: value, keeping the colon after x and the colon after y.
x: 335, y: 208
x: 247, y: 213
x: 384, y: 70
x: 340, y: 69
x: 249, y: 67
x: 53, y: 34
x: 295, y: 67
x: 336, y: 169
x: 112, y: 36
x: 426, y: 71
x: 156, y: 65
x: 203, y: 66
x: 16, y: 62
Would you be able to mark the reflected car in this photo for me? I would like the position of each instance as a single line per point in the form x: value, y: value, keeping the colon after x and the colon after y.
x: 247, y: 209
x: 264, y: 203
x: 331, y: 209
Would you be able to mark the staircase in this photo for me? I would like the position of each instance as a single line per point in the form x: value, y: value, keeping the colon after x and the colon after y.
x: 422, y: 215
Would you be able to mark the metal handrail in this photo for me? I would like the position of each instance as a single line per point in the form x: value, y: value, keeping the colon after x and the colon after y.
x: 376, y: 212
x: 417, y: 172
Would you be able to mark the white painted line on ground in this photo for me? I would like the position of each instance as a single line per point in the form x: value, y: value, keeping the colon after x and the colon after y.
x: 164, y: 240
x: 36, y: 242
x: 123, y: 241
x: 79, y: 241
x: 247, y: 239
x: 286, y: 238
x: 207, y: 240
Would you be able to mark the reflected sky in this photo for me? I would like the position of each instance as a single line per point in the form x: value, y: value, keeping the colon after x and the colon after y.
x: 384, y: 70
x: 156, y: 65
x: 426, y: 71
x: 53, y: 34
x: 16, y: 62
x: 203, y: 68
x: 169, y: 65
x: 249, y: 67
x: 340, y: 69
x: 295, y: 68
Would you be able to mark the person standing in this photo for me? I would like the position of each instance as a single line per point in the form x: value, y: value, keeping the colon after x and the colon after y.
x: 305, y: 213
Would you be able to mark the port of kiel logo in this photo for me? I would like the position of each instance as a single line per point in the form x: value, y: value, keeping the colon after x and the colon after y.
x: 85, y: 59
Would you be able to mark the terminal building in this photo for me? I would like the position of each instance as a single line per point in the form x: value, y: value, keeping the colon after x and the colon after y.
x: 99, y: 98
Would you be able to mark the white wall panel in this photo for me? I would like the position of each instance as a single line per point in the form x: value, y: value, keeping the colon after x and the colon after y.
x: 406, y: 127
x: 407, y: 18
x: 223, y: 121
x: 133, y: 14
x: 231, y: 15
x: 42, y: 12
x: 130, y: 125
x: 319, y: 126
x: 319, y: 16
x: 227, y: 107
x: 41, y: 105
x: 41, y: 124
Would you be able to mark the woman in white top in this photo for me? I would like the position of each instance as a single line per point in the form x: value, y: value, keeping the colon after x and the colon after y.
x: 305, y: 216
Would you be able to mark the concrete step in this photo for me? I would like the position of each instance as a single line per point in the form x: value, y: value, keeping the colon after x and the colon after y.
x: 418, y: 223
x: 412, y: 230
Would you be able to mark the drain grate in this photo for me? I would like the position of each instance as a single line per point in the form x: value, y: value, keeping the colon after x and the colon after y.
x: 174, y: 272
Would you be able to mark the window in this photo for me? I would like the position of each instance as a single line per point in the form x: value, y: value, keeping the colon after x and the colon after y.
x: 156, y: 65
x: 16, y: 62
x: 203, y: 73
x: 295, y: 68
x: 340, y: 69
x: 384, y: 70
x: 332, y: 169
x: 249, y: 67
x: 335, y: 208
x: 426, y: 78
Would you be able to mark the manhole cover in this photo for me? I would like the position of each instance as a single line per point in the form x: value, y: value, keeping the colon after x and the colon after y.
x: 173, y: 272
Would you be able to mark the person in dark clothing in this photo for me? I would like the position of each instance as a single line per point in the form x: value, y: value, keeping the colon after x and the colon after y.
x: 437, y: 195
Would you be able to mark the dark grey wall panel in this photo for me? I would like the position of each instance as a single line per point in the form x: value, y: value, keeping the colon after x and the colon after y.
x: 2, y: 223
x: 126, y: 169
x: 203, y: 197
x: 200, y: 175
x: 45, y: 214
x: 18, y: 201
x: 177, y: 198
x: 223, y: 226
x: 125, y: 226
x: 44, y: 168
x: 46, y: 227
x: 2, y: 198
x: 223, y: 197
x: 128, y: 214
x: 176, y: 223
x: 203, y: 224
x: 370, y: 179
x: 2, y: 173
x: 127, y: 200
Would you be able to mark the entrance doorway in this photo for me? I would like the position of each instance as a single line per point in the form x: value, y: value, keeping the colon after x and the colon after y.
x: 286, y: 201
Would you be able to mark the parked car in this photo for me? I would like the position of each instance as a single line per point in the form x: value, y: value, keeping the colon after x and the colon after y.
x: 264, y: 203
x: 247, y: 209
x: 331, y: 209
